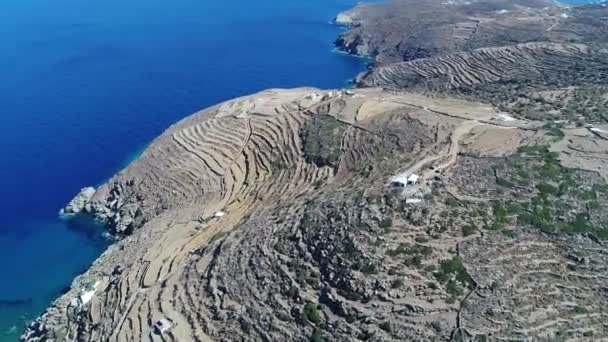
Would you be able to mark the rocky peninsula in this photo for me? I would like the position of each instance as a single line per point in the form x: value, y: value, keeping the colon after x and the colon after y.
x: 457, y: 193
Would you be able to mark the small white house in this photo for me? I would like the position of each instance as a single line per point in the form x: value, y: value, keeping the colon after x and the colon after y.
x: 413, y: 179
x: 399, y: 181
x: 162, y: 326
x: 403, y: 180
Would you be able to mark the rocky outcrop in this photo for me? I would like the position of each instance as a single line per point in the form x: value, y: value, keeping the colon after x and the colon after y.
x: 79, y: 203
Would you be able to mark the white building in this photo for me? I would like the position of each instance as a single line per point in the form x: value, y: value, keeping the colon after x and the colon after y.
x: 404, y: 180
x: 413, y: 179
x: 162, y: 326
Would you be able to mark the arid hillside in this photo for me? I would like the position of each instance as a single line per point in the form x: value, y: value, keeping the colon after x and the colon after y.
x: 533, y: 59
x: 277, y: 217
x: 459, y: 193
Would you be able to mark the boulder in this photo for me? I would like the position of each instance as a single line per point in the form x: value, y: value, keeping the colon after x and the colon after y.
x: 79, y: 202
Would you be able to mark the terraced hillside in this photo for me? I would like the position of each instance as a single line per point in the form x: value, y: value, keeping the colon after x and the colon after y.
x: 531, y: 63
x: 405, y: 30
x: 533, y: 80
x: 401, y: 30
x: 273, y: 217
x: 536, y: 60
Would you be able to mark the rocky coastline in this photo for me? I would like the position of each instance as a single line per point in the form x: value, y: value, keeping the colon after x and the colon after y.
x: 269, y: 217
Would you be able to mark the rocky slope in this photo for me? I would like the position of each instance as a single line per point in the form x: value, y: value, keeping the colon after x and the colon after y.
x: 535, y: 59
x: 403, y: 30
x: 286, y: 227
x: 286, y: 216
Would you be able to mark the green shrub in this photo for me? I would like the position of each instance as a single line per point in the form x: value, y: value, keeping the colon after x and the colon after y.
x: 504, y: 183
x: 409, y: 249
x: 602, y: 234
x: 312, y: 313
x: 386, y: 326
x: 322, y: 141
x: 317, y: 336
x: 500, y: 213
x: 469, y: 229
x: 397, y: 283
x: 547, y: 190
x: 386, y: 223
x: 452, y: 268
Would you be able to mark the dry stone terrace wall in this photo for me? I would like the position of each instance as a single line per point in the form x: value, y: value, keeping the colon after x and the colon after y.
x: 479, y: 67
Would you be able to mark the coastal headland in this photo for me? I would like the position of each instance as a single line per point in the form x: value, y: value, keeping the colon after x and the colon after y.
x: 458, y: 192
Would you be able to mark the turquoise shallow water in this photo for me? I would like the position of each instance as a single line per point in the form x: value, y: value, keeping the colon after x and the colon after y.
x: 87, y: 84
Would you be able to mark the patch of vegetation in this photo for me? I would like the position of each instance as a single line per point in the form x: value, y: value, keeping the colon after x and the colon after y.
x: 317, y: 336
x: 410, y: 249
x: 318, y: 183
x: 554, y: 130
x: 579, y: 310
x: 322, y: 141
x: 454, y: 275
x: 386, y: 326
x: 368, y: 267
x: 312, y: 313
x: 292, y: 292
x: 413, y: 253
x: 504, y: 183
x: 296, y: 266
x: 451, y: 202
x: 562, y: 201
x: 469, y: 229
x: 397, y: 283
x: 386, y: 223
x: 278, y: 165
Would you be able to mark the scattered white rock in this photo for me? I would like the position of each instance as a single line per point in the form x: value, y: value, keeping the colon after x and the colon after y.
x: 219, y: 214
x: 344, y: 19
x: 505, y: 117
x: 79, y: 202
x: 86, y: 296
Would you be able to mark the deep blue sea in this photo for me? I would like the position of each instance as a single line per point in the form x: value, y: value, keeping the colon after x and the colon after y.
x: 85, y: 85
